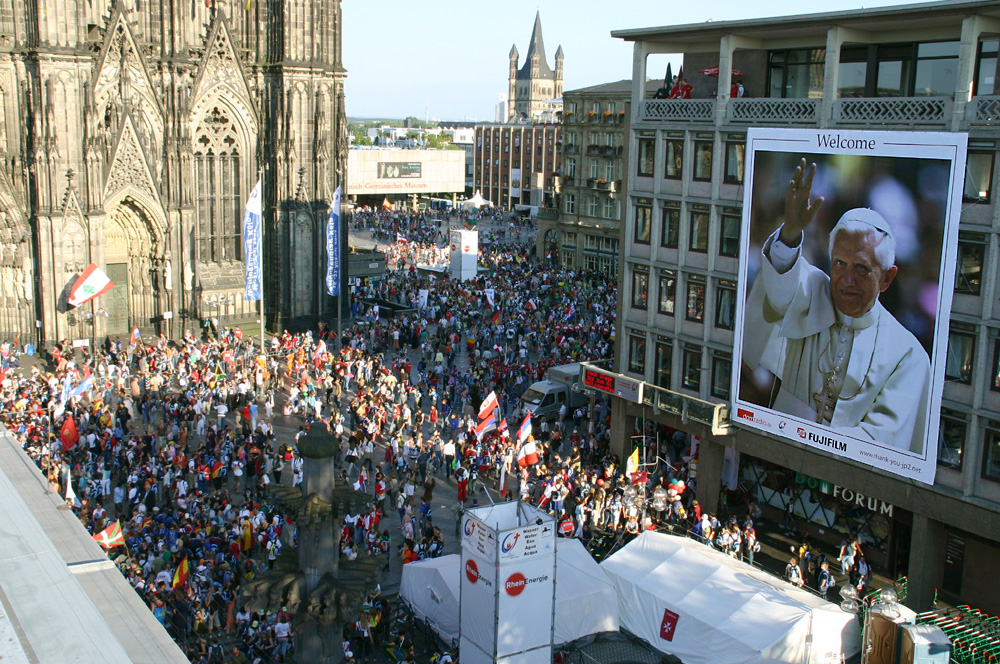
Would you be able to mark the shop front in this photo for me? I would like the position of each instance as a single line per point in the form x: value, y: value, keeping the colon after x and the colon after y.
x: 829, y: 512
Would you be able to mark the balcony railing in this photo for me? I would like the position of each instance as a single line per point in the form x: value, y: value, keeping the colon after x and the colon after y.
x: 686, y: 110
x: 781, y: 111
x: 986, y: 111
x: 892, y: 111
x: 571, y: 149
x: 549, y: 213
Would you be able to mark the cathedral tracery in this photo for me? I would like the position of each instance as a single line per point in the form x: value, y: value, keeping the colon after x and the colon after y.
x: 218, y: 176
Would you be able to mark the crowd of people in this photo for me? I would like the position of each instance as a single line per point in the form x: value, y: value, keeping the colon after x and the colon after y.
x: 176, y: 441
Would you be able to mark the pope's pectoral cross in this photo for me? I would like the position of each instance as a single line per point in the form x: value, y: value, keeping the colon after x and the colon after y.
x: 824, y: 399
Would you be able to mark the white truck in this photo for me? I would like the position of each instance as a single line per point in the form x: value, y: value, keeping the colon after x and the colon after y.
x: 544, y: 398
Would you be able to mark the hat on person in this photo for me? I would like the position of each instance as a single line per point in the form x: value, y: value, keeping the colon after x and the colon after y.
x: 868, y: 216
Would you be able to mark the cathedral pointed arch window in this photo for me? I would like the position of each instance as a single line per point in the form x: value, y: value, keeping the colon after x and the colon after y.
x: 218, y: 182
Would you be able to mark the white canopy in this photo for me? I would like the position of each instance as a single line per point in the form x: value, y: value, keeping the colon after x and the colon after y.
x: 723, y: 610
x: 585, y: 599
x: 476, y: 201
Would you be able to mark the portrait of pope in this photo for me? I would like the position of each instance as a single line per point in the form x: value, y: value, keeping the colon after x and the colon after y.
x: 836, y: 356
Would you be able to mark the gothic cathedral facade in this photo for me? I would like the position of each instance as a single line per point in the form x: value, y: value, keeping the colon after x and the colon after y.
x: 532, y: 87
x: 132, y: 133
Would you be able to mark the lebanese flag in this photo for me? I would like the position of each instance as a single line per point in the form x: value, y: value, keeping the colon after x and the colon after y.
x: 527, y: 455
x: 134, y: 339
x: 91, y: 283
x: 488, y: 424
x: 69, y: 435
x: 489, y: 404
x: 524, y: 430
x: 502, y: 428
x: 111, y: 536
x: 181, y: 573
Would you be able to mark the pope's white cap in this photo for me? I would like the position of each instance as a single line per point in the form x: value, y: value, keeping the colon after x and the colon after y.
x: 867, y: 216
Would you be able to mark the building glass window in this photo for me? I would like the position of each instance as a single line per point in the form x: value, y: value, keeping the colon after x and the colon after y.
x: 643, y: 220
x: 899, y: 70
x: 703, y: 160
x: 595, y: 168
x: 951, y: 439
x: 218, y: 179
x: 593, y: 204
x: 695, y: 298
x: 969, y: 266
x: 664, y: 360
x: 729, y: 239
x: 978, y: 177
x: 692, y: 367
x: 995, y: 375
x: 961, y: 350
x: 796, y: 73
x: 610, y: 209
x: 698, y: 239
x: 637, y: 353
x: 722, y: 366
x: 640, y: 289
x: 609, y: 171
x: 735, y: 161
x: 671, y: 227
x: 647, y: 154
x: 674, y: 159
x: 986, y: 67
x: 571, y: 167
x: 725, y: 304
x: 668, y: 293
x: 991, y: 452
x: 570, y: 203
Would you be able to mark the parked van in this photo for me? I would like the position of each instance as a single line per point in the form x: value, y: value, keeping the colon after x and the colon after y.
x: 544, y: 398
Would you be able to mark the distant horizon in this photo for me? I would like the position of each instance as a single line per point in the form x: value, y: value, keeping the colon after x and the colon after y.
x: 443, y: 65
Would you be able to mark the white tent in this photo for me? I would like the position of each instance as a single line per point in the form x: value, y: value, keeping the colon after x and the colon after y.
x: 476, y: 201
x: 585, y: 599
x: 689, y: 600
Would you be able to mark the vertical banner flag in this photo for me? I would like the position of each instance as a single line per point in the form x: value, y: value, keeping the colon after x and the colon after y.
x: 252, y: 243
x: 333, y: 246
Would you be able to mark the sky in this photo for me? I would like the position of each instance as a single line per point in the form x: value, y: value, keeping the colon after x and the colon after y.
x: 447, y: 59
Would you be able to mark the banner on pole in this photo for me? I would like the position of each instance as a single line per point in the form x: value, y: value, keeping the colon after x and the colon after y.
x: 252, y: 243
x: 333, y: 247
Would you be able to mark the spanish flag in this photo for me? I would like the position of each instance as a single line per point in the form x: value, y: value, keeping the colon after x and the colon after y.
x: 246, y: 540
x: 181, y: 573
x: 386, y: 204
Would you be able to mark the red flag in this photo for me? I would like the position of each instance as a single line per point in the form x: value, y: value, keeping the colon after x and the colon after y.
x: 69, y: 435
x: 181, y: 573
x: 111, y: 536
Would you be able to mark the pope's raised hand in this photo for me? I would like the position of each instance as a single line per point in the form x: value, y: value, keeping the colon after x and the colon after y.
x: 799, y: 210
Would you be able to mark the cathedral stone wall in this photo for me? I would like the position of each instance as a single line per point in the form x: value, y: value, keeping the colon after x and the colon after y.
x: 132, y: 133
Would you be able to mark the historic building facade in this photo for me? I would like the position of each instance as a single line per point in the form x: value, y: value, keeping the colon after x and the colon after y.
x: 516, y: 164
x: 532, y: 88
x: 132, y: 134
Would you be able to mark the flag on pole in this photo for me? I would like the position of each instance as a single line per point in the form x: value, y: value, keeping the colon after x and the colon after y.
x: 502, y: 428
x: 111, y: 536
x: 525, y: 429
x: 632, y: 463
x: 489, y: 404
x: 386, y: 204
x: 527, y: 453
x: 320, y: 351
x: 401, y: 239
x: 253, y: 245
x: 91, y: 283
x: 333, y: 246
x: 495, y: 317
x: 70, y: 493
x: 181, y: 573
x: 488, y: 424
x: 68, y: 434
x: 134, y: 339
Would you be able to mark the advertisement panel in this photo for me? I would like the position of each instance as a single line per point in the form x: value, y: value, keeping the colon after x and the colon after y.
x: 526, y: 603
x: 847, y: 266
x: 478, y: 537
x: 478, y: 600
x: 398, y: 169
x: 527, y: 542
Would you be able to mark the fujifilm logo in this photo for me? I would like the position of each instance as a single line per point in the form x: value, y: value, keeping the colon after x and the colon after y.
x: 826, y: 441
x: 838, y: 142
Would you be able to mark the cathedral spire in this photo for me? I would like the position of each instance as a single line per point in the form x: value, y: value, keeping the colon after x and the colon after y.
x: 536, y: 46
x: 534, y: 61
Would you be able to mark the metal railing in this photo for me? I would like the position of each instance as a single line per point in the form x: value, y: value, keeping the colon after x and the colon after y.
x: 781, y: 111
x: 893, y: 111
x: 687, y: 110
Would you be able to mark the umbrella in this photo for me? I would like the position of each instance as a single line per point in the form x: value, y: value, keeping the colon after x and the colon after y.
x: 714, y: 71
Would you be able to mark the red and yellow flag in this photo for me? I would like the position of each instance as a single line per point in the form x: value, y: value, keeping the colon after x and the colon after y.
x: 111, y: 536
x: 181, y: 573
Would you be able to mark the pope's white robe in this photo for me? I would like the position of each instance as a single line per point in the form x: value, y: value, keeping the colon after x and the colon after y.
x: 792, y: 329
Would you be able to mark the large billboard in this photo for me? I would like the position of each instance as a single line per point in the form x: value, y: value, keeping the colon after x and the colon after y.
x: 847, y: 266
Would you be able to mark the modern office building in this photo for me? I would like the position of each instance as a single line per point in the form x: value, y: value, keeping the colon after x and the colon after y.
x: 534, y: 88
x: 516, y: 164
x: 923, y: 67
x: 582, y: 231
